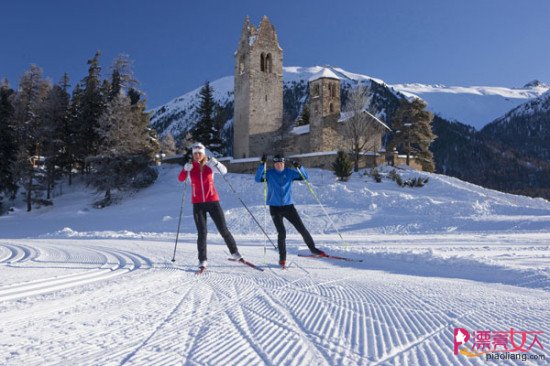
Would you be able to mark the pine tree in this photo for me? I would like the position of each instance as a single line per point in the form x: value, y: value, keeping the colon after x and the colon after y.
x: 8, y: 148
x: 205, y: 130
x: 54, y: 133
x: 304, y: 117
x: 92, y: 105
x: 127, y: 144
x: 28, y: 102
x: 413, y: 132
x: 342, y: 166
x: 72, y: 157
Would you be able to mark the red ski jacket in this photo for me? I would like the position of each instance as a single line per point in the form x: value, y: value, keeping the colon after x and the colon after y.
x: 202, y: 183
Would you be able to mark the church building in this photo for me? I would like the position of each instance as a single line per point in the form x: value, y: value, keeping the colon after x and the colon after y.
x: 258, y: 109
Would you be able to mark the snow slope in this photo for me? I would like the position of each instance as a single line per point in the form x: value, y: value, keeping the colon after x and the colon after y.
x: 96, y: 287
x: 475, y: 105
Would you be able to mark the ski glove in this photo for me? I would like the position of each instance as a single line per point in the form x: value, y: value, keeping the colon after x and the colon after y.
x: 212, y: 162
x: 264, y: 159
x: 187, y: 167
x: 296, y: 164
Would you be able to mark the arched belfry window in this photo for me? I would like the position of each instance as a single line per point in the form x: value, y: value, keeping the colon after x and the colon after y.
x: 241, y: 65
x: 333, y: 91
x: 269, y: 63
x: 316, y: 90
x: 330, y: 89
x: 330, y: 108
x: 262, y: 62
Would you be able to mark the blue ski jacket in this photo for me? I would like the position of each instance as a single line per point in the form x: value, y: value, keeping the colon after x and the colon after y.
x: 279, y: 184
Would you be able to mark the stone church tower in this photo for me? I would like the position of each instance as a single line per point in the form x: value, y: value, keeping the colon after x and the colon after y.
x: 324, y: 109
x: 258, y: 108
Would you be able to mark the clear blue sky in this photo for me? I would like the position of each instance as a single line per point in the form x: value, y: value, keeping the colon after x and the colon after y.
x: 177, y: 45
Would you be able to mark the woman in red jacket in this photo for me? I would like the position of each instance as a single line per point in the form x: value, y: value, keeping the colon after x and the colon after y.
x: 205, y: 200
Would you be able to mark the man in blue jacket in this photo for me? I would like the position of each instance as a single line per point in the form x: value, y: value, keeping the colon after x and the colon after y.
x: 281, y: 205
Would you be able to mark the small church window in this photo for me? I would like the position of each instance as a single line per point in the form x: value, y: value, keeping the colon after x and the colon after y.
x: 262, y: 62
x: 333, y: 90
x: 330, y: 108
x: 316, y: 90
x: 269, y: 63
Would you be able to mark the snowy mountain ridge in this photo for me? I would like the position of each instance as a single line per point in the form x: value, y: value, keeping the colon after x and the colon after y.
x: 476, y: 105
x: 540, y: 104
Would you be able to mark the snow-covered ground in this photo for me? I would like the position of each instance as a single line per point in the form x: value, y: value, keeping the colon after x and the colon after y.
x: 97, y: 287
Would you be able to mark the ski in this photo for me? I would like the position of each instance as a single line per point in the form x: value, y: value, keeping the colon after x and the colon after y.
x: 243, y: 261
x: 328, y: 256
x: 200, y: 271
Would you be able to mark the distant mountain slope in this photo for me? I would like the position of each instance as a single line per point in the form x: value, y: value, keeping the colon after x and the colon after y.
x: 179, y: 115
x: 526, y: 128
x: 475, y: 105
x: 511, y: 154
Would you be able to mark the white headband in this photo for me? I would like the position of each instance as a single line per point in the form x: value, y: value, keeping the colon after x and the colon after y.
x: 198, y: 148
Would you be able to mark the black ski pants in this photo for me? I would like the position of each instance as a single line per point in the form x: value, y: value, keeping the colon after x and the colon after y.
x: 289, y: 212
x: 216, y: 213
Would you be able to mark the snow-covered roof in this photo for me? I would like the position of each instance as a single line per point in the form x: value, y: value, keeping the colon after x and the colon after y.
x: 300, y: 130
x: 344, y: 116
x: 324, y: 73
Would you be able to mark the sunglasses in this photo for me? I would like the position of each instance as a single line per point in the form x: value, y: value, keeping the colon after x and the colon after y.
x: 279, y: 160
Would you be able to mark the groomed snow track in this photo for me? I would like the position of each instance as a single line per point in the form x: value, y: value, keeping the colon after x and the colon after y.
x: 119, y: 302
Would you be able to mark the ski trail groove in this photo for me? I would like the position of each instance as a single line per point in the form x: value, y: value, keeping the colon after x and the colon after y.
x: 117, y: 263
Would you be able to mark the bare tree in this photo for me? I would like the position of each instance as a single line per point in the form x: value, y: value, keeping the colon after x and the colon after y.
x: 168, y: 145
x: 360, y: 126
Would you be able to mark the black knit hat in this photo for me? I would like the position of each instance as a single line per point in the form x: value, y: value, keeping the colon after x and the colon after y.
x: 278, y: 158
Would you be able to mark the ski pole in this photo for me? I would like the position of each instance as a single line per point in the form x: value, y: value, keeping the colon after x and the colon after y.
x: 265, y: 204
x: 323, y: 207
x: 245, y: 206
x: 179, y: 222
